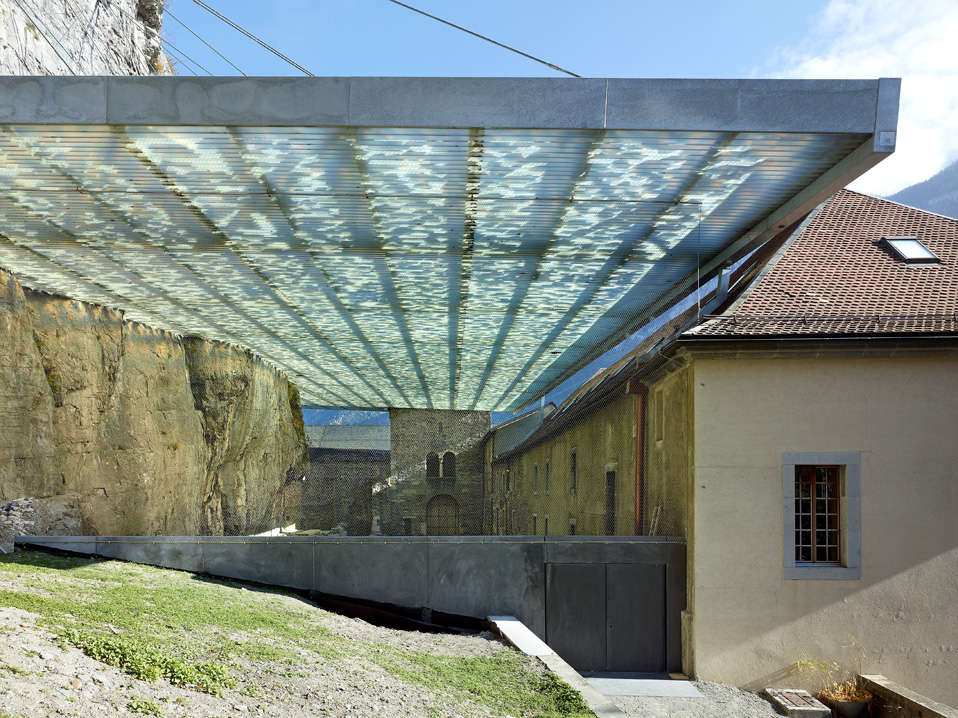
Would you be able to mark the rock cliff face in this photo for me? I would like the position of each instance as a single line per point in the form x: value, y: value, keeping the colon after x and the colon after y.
x: 140, y: 431
x: 81, y: 37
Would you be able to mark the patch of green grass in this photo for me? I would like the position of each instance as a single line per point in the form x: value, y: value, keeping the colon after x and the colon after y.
x: 149, y: 664
x: 568, y: 700
x: 15, y: 670
x: 156, y: 623
x: 163, y: 606
x: 503, y: 682
x: 144, y: 706
x: 251, y: 690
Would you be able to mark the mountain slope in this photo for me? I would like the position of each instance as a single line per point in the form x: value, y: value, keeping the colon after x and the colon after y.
x: 938, y: 194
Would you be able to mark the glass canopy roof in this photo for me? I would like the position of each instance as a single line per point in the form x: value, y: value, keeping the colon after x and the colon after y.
x: 439, y: 267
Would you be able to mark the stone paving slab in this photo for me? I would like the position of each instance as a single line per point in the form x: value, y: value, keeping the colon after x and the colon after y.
x: 797, y: 703
x: 643, y: 686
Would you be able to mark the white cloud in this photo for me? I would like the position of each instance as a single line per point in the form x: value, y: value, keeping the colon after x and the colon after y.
x: 916, y: 40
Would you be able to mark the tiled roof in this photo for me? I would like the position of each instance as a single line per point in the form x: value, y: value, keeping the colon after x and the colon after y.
x: 836, y: 277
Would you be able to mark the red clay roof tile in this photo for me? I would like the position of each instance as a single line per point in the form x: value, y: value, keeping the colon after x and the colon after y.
x: 837, y: 277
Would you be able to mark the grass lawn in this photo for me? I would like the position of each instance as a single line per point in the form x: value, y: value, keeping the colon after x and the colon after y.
x: 219, y: 637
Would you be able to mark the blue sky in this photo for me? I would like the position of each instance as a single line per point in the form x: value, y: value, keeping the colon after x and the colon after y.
x: 602, y: 38
x: 911, y: 39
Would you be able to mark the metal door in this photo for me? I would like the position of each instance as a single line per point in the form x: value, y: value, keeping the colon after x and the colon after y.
x: 635, y: 614
x: 607, y: 617
x: 575, y: 613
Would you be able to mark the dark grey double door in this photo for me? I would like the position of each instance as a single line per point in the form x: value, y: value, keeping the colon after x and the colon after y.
x: 607, y: 617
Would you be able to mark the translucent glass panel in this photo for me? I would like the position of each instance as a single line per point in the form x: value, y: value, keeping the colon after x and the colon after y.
x: 446, y: 268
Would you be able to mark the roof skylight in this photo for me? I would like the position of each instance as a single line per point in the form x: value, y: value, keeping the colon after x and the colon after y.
x: 911, y: 250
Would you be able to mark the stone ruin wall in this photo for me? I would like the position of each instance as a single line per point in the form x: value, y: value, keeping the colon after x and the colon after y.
x: 81, y: 37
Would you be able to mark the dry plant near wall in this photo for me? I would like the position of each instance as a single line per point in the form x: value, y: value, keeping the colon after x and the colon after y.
x: 835, y: 683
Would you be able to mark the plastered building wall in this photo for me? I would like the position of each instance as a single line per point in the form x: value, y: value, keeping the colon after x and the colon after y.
x: 604, y: 441
x: 749, y: 624
x: 668, y: 452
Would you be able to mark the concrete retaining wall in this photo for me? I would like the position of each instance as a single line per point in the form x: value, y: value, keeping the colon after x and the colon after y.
x: 470, y: 576
x: 894, y: 701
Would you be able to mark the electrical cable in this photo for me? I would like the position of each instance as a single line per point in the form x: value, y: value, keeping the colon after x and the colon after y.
x: 86, y: 34
x: 481, y: 37
x: 167, y: 12
x: 253, y: 37
x: 183, y: 54
x: 183, y: 60
x: 166, y: 45
x: 72, y: 25
x: 41, y: 27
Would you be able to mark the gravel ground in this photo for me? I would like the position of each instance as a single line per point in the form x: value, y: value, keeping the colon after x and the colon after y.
x: 720, y: 701
x: 40, y: 678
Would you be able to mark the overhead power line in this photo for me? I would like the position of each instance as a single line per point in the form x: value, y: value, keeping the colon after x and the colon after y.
x: 183, y: 58
x: 253, y: 37
x: 57, y: 46
x: 167, y: 12
x: 481, y: 37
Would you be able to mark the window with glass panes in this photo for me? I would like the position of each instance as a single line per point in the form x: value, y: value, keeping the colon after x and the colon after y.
x: 817, y: 514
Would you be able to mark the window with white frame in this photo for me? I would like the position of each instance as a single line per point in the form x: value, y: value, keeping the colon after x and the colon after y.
x: 822, y: 515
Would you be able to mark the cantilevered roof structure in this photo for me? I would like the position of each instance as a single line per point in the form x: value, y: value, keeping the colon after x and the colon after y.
x: 444, y: 243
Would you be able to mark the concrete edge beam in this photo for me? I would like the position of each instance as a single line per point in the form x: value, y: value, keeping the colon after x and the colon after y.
x: 520, y: 637
x: 839, y: 106
x: 893, y: 699
x: 516, y: 633
x: 599, y: 704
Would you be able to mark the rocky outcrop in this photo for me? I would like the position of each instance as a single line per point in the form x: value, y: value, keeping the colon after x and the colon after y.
x: 251, y: 424
x: 148, y: 432
x: 82, y: 37
x: 30, y: 516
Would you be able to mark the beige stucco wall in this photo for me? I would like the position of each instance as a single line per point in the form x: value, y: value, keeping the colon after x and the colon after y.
x: 749, y: 623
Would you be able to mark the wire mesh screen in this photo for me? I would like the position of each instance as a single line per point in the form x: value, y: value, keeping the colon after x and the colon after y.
x: 596, y: 472
x: 610, y: 462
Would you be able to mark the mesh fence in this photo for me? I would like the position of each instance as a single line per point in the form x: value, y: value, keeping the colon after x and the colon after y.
x: 616, y: 466
x: 612, y: 460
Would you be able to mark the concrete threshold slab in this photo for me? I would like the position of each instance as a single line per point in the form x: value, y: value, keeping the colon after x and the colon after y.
x: 653, y: 685
x: 519, y: 635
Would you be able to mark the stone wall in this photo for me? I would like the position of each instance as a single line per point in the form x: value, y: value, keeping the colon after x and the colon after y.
x: 56, y: 516
x: 149, y: 433
x: 415, y: 433
x: 81, y: 37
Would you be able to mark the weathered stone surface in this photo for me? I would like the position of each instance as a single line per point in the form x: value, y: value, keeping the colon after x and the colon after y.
x: 81, y: 37
x: 145, y: 432
x: 443, y: 499
x: 250, y: 428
